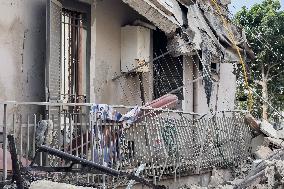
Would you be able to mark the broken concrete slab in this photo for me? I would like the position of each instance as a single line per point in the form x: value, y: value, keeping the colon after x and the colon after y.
x: 256, y: 142
x: 150, y: 11
x: 219, y: 177
x: 263, y: 152
x: 267, y: 129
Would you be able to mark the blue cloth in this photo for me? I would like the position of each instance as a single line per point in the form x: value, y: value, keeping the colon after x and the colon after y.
x: 108, y: 153
x: 106, y: 112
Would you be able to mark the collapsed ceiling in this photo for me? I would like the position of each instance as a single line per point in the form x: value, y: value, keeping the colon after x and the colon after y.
x: 190, y: 23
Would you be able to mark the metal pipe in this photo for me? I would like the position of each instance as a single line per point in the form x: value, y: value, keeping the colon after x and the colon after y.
x: 92, y: 165
x: 5, y: 150
x: 15, y: 163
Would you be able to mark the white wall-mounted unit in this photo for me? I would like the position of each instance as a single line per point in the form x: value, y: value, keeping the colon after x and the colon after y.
x: 135, y: 48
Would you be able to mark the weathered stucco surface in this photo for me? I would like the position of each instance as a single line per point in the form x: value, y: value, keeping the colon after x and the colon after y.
x: 22, y: 50
x: 107, y: 56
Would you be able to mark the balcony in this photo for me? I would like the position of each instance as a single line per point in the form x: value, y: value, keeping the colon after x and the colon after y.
x: 168, y: 142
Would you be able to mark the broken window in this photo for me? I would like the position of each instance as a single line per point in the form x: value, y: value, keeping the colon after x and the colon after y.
x: 168, y: 70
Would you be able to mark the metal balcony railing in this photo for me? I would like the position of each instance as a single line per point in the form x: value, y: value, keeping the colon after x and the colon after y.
x: 168, y: 142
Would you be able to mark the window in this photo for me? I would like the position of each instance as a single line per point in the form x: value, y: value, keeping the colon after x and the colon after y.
x: 67, y: 30
x: 73, y: 61
x: 168, y: 70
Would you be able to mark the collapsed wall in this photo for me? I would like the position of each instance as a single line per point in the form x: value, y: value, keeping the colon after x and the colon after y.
x: 197, y: 28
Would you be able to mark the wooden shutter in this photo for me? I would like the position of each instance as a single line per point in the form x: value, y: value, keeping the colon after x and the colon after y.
x: 53, y: 64
x: 53, y: 50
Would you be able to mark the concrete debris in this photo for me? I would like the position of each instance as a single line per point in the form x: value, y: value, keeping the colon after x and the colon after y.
x: 178, y: 45
x: 262, y: 152
x: 256, y: 142
x: 44, y: 184
x: 281, y: 133
x: 267, y: 129
x: 219, y: 177
x: 265, y: 171
x: 255, y: 163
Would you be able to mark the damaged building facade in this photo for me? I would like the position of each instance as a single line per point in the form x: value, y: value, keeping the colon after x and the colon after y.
x: 191, y: 35
x: 62, y: 57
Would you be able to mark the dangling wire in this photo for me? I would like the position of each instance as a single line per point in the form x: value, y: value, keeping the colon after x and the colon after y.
x: 232, y: 39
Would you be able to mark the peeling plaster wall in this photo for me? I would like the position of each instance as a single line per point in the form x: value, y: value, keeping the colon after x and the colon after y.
x: 226, y: 92
x: 194, y: 93
x: 22, y: 52
x: 105, y: 61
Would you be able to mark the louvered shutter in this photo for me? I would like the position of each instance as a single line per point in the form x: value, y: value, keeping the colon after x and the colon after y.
x: 53, y: 50
x: 53, y: 57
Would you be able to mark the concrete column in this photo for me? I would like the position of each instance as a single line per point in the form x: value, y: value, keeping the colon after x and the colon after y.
x: 200, y: 101
x: 187, y: 103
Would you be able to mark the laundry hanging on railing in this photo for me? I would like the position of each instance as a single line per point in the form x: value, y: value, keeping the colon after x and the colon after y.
x: 106, y: 151
x: 105, y: 112
x: 131, y: 116
x: 108, y: 113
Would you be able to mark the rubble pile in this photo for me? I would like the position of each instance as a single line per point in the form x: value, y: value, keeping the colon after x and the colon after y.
x: 44, y: 184
x: 264, y: 170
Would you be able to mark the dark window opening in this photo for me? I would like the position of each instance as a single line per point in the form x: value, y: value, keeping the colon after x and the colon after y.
x: 214, y: 67
x: 168, y: 70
